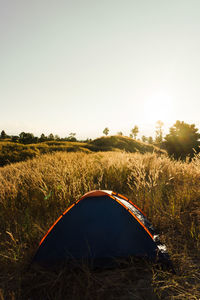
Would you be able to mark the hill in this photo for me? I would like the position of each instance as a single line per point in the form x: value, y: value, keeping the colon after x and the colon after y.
x: 15, y: 152
x: 117, y: 142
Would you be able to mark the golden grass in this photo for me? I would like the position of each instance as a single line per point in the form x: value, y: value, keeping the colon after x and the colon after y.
x: 34, y: 193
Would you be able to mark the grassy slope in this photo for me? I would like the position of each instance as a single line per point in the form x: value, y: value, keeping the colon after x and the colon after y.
x: 14, y: 152
x: 114, y: 143
x: 34, y: 193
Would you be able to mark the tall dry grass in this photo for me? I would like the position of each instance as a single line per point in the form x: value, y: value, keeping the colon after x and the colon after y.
x: 34, y: 193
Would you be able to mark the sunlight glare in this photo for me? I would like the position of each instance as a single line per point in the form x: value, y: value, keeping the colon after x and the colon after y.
x: 158, y: 107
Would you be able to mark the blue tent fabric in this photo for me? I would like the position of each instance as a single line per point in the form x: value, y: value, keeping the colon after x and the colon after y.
x: 100, y: 226
x: 137, y: 213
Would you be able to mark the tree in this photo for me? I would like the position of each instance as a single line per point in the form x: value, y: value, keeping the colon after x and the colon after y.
x: 134, y: 131
x: 57, y: 138
x: 51, y: 137
x: 72, y: 137
x: 150, y: 140
x: 144, y: 139
x: 3, y: 135
x: 159, y: 132
x: 26, y: 138
x: 42, y: 138
x: 106, y: 131
x: 182, y: 140
x: 120, y: 133
x: 35, y: 140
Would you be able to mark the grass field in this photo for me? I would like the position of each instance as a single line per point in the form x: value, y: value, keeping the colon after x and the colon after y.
x: 34, y: 193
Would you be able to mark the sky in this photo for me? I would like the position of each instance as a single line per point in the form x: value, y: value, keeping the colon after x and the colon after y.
x: 80, y: 66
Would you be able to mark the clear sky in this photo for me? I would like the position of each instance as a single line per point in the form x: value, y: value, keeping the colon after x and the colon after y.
x: 79, y: 66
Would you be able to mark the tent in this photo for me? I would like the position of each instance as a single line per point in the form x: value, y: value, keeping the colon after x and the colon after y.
x: 101, y: 225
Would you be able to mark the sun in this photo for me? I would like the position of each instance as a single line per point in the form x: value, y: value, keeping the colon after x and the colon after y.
x: 158, y: 107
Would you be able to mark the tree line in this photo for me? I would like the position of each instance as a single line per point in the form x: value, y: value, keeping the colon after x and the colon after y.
x: 181, y: 141
x: 29, y: 138
x: 135, y: 130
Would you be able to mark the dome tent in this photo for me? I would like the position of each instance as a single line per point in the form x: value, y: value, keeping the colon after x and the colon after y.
x: 101, y: 225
